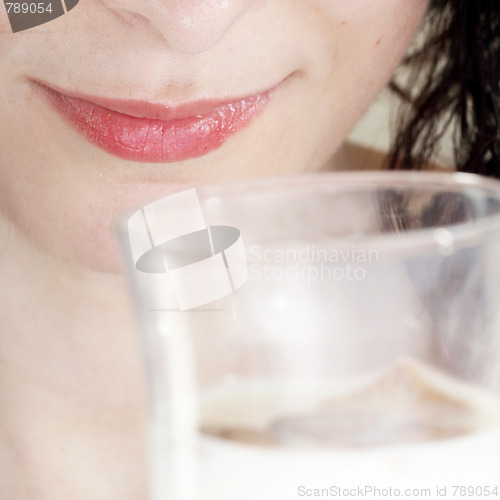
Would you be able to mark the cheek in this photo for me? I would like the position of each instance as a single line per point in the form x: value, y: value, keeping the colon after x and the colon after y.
x: 373, y: 11
x: 359, y: 28
x: 352, y: 53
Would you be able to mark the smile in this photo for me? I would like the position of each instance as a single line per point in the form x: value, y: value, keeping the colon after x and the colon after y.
x: 156, y: 133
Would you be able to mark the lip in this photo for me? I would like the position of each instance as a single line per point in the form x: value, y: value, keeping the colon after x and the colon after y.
x: 152, y: 132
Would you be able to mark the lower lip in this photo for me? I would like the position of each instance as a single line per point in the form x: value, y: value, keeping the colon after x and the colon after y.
x: 155, y: 140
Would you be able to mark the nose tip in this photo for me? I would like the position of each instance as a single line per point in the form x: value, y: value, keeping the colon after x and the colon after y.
x: 192, y: 27
x: 187, y: 26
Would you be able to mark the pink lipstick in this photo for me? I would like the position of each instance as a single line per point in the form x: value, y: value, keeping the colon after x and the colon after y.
x: 155, y: 133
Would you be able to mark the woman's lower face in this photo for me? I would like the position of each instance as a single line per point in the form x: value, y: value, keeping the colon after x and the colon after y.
x: 120, y: 101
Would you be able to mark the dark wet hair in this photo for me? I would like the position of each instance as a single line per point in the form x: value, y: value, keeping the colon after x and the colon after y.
x: 454, y: 85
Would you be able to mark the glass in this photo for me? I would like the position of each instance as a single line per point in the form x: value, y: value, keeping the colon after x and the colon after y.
x: 323, y: 335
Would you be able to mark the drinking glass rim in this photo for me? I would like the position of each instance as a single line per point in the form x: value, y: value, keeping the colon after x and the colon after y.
x: 462, y: 235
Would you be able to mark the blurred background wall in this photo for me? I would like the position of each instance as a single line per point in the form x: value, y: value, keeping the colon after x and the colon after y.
x: 374, y: 129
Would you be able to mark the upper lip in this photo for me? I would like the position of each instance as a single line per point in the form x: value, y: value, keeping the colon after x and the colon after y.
x: 150, y: 109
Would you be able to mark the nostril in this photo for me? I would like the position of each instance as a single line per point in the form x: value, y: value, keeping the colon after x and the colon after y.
x: 186, y: 26
x: 131, y: 18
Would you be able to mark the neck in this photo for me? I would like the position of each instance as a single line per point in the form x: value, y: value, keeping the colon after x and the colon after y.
x: 71, y: 381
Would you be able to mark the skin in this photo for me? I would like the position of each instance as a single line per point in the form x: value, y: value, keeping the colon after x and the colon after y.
x: 71, y: 386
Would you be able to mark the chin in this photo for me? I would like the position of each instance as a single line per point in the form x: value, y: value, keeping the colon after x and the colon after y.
x: 93, y: 248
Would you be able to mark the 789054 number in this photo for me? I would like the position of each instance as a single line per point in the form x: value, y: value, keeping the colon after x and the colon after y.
x: 475, y: 491
x: 28, y: 8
